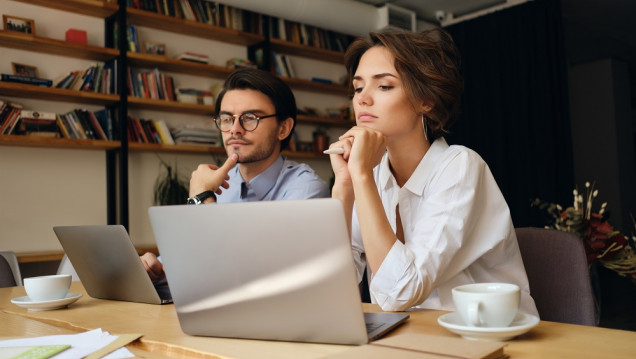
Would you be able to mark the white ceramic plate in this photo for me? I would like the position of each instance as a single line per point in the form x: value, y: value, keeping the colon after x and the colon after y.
x: 47, y: 304
x: 521, y: 324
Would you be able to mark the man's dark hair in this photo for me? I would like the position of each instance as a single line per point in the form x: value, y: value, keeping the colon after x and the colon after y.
x: 274, y: 88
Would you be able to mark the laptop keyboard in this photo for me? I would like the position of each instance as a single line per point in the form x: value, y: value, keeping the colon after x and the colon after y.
x: 373, y: 326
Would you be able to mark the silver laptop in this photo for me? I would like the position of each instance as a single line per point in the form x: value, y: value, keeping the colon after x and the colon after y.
x: 276, y: 270
x: 108, y: 264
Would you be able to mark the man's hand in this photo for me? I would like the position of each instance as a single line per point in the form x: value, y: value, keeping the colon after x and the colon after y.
x: 209, y: 177
x: 154, y: 268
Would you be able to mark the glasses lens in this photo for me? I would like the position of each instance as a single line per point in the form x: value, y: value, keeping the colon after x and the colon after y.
x: 250, y: 121
x: 224, y: 122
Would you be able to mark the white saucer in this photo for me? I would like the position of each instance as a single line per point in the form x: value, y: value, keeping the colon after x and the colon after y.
x: 521, y: 324
x: 46, y: 304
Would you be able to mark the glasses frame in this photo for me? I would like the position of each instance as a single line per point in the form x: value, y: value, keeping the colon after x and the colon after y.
x: 258, y: 119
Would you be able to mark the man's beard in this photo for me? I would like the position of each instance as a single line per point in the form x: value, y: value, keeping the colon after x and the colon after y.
x: 259, y: 153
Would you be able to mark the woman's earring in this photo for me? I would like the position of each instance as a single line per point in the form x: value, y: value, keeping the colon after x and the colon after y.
x: 425, y: 128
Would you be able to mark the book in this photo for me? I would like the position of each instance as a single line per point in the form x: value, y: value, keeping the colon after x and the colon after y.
x: 78, y: 129
x: 194, y: 57
x: 201, y: 97
x: 288, y: 67
x: 237, y: 63
x: 62, y: 126
x: 26, y: 80
x: 319, y: 79
x: 414, y: 345
x: 106, y: 122
x: 164, y: 132
x: 11, y: 121
x: 97, y: 127
x: 32, y: 122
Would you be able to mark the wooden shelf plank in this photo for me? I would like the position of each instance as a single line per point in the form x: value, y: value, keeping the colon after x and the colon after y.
x: 28, y: 42
x: 191, y: 28
x: 310, y: 52
x: 34, y: 141
x: 170, y: 106
x: 314, y: 86
x: 54, y: 94
x: 173, y: 65
x: 94, y: 8
x: 180, y: 148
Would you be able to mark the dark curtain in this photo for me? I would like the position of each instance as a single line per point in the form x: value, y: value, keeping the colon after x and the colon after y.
x: 515, y: 110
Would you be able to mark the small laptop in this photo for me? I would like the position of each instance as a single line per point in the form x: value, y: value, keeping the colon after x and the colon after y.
x: 108, y: 265
x: 274, y: 270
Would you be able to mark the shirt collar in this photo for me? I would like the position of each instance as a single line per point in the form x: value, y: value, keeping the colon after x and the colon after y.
x: 265, y: 181
x: 420, y: 176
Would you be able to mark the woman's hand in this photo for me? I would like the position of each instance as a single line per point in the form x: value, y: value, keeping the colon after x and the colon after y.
x: 365, y: 150
x: 339, y: 162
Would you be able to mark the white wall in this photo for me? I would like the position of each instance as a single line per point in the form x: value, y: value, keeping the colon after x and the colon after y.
x: 40, y: 188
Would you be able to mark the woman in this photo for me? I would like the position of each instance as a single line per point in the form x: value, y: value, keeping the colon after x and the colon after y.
x: 425, y: 216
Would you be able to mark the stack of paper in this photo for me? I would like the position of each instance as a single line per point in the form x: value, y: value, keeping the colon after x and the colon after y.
x: 92, y: 344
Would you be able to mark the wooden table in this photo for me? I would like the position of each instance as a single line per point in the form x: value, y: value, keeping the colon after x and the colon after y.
x: 163, y: 337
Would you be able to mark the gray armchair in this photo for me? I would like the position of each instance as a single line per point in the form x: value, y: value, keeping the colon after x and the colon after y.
x: 9, y: 270
x: 558, y: 274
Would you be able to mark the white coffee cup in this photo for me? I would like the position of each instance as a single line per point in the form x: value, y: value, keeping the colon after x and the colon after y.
x: 487, y: 304
x: 48, y: 287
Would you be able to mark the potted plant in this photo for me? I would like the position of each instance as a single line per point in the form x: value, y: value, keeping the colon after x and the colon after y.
x: 169, y: 187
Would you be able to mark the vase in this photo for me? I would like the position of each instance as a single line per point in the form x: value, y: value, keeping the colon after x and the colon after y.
x: 616, y: 296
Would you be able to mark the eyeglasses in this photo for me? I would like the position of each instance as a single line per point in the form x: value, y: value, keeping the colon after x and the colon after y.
x: 248, y: 121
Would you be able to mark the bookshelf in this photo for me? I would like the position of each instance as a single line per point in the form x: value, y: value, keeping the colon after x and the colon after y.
x: 70, y: 143
x: 55, y: 47
x: 54, y: 94
x: 292, y: 48
x: 118, y: 152
x: 95, y: 8
x: 190, y: 28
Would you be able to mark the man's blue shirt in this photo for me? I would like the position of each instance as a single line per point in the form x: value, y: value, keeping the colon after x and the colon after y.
x: 283, y: 180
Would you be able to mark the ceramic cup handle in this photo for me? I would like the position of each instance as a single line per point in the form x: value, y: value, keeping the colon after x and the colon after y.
x: 473, y: 314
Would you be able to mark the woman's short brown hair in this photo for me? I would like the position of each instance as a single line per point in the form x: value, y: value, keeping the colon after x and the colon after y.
x: 428, y: 65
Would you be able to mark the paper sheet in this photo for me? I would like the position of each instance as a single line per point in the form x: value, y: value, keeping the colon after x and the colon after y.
x: 82, y: 344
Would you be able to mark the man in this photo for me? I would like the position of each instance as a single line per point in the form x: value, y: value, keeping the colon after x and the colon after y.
x: 256, y: 113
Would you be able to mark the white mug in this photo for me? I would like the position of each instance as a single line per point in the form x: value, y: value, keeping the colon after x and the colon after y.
x: 487, y: 304
x: 48, y: 287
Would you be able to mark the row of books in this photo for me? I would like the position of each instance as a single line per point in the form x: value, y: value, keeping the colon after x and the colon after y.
x: 133, y: 39
x: 282, y: 65
x: 157, y: 131
x: 9, y: 116
x: 151, y: 84
x: 204, y: 11
x: 99, y: 77
x: 214, y: 13
x: 201, y: 97
x: 308, y: 35
x: 201, y: 134
x: 149, y: 131
x: 86, y: 125
x: 79, y: 123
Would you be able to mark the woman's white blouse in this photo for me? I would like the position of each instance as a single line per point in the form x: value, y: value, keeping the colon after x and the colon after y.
x: 457, y: 230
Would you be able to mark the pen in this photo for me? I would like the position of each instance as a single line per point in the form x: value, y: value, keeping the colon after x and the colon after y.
x: 334, y: 151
